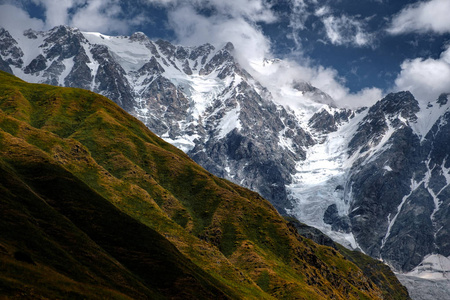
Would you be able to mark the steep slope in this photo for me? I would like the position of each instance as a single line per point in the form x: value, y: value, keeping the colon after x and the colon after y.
x: 61, y: 238
x: 382, y: 178
x: 197, y: 98
x: 95, y: 194
x: 375, y: 270
x: 402, y: 180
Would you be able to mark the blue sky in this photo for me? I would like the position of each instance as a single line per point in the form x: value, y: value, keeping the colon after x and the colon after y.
x: 354, y: 50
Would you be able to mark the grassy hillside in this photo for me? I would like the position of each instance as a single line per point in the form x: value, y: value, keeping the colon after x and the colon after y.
x: 375, y: 270
x: 96, y: 205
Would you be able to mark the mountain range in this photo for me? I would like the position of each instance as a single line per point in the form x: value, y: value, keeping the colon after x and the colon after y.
x: 373, y: 178
x: 94, y: 205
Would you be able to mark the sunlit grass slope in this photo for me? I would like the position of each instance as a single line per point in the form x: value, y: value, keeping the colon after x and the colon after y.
x: 95, y: 205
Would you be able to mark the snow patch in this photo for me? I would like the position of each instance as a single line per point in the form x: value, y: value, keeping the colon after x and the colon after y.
x: 92, y: 65
x: 445, y: 171
x: 68, y: 65
x: 285, y: 142
x: 229, y: 122
x: 185, y: 143
x: 428, y: 115
x: 130, y: 55
x: 433, y: 266
x: 413, y: 186
x: 200, y: 90
x: 30, y: 47
x: 381, y: 146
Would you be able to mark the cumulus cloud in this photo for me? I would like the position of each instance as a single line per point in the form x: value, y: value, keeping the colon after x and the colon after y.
x: 100, y: 15
x: 364, y: 97
x: 15, y: 20
x: 280, y: 75
x: 56, y: 11
x: 194, y: 29
x: 425, y: 78
x: 328, y: 80
x: 225, y: 21
x: 428, y: 16
x: 339, y: 29
x: 105, y: 16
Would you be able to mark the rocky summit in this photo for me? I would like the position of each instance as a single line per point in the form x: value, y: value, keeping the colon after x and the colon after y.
x: 375, y: 179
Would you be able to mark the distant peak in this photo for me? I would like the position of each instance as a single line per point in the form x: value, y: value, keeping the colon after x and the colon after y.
x: 138, y: 36
x: 400, y: 102
x: 314, y: 93
x: 443, y: 98
x: 63, y: 28
x: 30, y: 33
x: 229, y: 47
x: 400, y: 98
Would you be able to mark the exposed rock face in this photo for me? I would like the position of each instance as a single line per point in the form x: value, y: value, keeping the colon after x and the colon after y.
x: 36, y: 65
x: 198, y: 98
x: 314, y: 93
x: 9, y: 50
x: 325, y: 122
x: 110, y: 79
x: 390, y: 161
x: 438, y: 184
x: 400, y: 191
x: 165, y: 100
x: 4, y: 66
x: 251, y: 154
x: 63, y: 42
x: 337, y: 222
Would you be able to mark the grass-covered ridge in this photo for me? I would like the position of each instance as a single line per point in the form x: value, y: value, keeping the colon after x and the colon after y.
x: 129, y: 215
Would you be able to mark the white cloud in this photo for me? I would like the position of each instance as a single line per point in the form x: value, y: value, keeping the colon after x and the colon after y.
x: 328, y: 80
x: 194, y: 29
x: 298, y: 17
x: 56, y: 11
x: 104, y: 16
x: 282, y: 74
x: 425, y: 78
x: 345, y: 30
x: 227, y: 21
x: 101, y: 16
x: 422, y: 17
x: 15, y: 20
x: 252, y: 10
x: 322, y: 11
x: 364, y: 97
x: 339, y: 30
